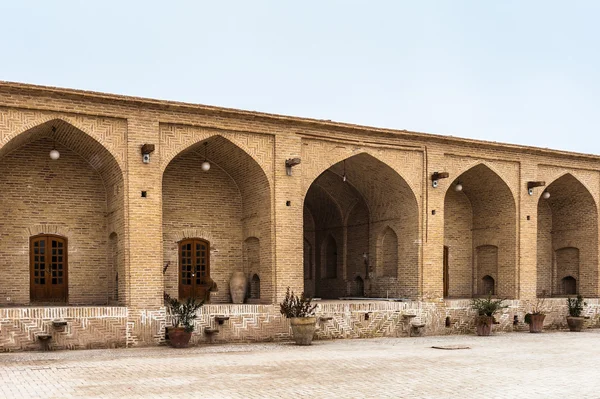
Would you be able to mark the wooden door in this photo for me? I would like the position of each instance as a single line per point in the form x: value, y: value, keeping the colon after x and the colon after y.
x: 194, y: 268
x: 48, y: 269
x: 446, y: 274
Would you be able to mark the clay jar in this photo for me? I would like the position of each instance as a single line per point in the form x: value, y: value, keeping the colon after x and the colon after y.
x: 237, y: 287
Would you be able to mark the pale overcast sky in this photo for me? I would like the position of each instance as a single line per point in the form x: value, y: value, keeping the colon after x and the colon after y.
x: 525, y: 72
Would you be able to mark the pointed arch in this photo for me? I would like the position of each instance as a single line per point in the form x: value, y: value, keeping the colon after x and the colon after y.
x: 365, y: 195
x: 566, y: 175
x: 177, y: 139
x: 567, y: 236
x: 484, y: 168
x: 85, y: 189
x: 98, y: 132
x: 480, y: 216
x: 230, y: 203
x: 311, y: 176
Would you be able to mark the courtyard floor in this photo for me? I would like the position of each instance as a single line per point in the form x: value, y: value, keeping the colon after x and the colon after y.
x: 513, y: 365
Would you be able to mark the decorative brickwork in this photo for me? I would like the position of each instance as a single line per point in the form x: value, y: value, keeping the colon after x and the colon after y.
x: 77, y: 328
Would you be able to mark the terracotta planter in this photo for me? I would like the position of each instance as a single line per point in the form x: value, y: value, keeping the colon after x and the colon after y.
x: 536, y: 323
x: 237, y: 287
x: 303, y: 329
x: 484, y: 325
x: 178, y: 337
x: 575, y: 323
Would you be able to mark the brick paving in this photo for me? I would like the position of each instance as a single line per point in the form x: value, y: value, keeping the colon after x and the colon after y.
x: 515, y: 365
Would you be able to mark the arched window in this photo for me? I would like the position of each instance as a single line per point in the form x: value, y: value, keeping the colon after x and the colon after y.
x: 194, y: 268
x: 487, y: 285
x: 331, y: 258
x: 255, y: 287
x: 48, y: 268
x: 569, y: 285
x: 359, y: 287
x: 307, y: 260
x: 389, y: 253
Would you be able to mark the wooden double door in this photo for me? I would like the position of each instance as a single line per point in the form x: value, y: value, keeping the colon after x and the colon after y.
x: 194, y: 269
x: 48, y: 266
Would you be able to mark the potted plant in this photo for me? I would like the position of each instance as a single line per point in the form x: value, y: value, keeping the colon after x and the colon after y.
x: 183, y: 315
x: 302, y: 316
x: 535, y: 319
x: 486, y: 308
x: 574, y: 319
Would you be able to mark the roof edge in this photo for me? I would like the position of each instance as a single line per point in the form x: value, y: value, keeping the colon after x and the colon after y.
x: 268, y: 117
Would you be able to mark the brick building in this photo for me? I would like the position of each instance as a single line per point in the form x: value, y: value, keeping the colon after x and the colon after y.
x: 97, y: 236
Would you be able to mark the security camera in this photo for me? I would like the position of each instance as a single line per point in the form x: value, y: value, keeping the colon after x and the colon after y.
x: 434, y: 183
x: 146, y: 158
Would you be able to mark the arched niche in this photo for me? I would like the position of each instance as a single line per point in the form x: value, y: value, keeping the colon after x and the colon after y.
x: 331, y: 258
x: 355, y: 200
x: 480, y: 216
x: 80, y: 193
x: 229, y: 201
x: 567, y: 237
x: 486, y: 268
x: 388, y: 254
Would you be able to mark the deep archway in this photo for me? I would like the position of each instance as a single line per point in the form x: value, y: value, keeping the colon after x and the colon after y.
x: 480, y: 234
x: 229, y: 205
x: 567, y: 236
x: 358, y: 202
x: 79, y: 196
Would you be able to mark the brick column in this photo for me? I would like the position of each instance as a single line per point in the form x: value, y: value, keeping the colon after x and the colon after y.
x: 288, y: 219
x: 527, y: 238
x: 144, y: 219
x: 433, y: 229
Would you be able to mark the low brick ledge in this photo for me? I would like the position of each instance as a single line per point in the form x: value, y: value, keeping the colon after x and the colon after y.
x: 63, y: 312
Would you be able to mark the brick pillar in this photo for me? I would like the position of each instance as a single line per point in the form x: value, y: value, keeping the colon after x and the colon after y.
x: 144, y: 277
x: 288, y: 219
x: 527, y: 238
x: 433, y: 229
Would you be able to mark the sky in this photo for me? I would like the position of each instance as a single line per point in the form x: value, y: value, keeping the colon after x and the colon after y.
x: 522, y: 72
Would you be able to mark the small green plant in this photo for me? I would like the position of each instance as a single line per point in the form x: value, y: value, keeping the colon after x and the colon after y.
x: 183, y: 313
x: 575, y: 306
x: 487, y: 306
x: 296, y: 306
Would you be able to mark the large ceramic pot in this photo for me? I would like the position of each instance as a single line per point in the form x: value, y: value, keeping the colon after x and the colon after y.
x: 237, y: 287
x: 575, y: 323
x: 178, y: 337
x: 484, y: 325
x: 536, y: 323
x: 303, y: 329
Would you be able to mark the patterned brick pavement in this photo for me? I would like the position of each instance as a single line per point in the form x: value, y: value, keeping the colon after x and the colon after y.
x: 515, y: 365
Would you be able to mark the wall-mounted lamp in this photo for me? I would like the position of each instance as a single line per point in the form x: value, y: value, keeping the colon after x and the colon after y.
x: 289, y: 163
x: 458, y: 186
x: 437, y: 176
x: 545, y: 194
x: 147, y: 149
x: 344, y: 178
x: 205, y: 164
x: 54, y: 154
x: 532, y: 184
